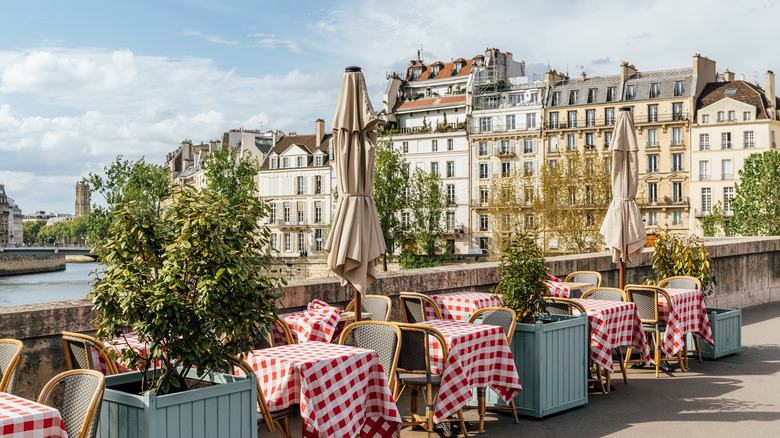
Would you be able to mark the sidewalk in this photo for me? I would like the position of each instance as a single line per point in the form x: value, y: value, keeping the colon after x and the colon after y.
x: 734, y: 395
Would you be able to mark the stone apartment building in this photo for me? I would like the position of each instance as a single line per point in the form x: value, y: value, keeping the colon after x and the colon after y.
x: 11, y: 221
x: 734, y: 119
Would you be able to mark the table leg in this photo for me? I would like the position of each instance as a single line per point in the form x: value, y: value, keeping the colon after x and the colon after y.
x: 481, y: 408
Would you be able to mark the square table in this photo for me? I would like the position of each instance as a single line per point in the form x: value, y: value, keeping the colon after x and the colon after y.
x: 22, y: 418
x: 478, y: 356
x: 341, y: 390
x: 688, y: 315
x: 459, y: 306
x: 319, y: 325
x: 613, y: 324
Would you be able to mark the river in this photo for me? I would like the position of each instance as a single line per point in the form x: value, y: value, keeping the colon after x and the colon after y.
x: 70, y: 284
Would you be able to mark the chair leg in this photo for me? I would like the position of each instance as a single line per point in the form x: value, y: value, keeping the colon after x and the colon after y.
x: 514, y: 410
x: 698, y: 349
x: 285, y: 427
x: 463, y: 423
x: 481, y: 408
x: 429, y: 410
x: 622, y: 366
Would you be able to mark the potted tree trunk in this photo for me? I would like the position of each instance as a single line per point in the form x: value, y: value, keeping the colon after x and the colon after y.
x: 192, y: 284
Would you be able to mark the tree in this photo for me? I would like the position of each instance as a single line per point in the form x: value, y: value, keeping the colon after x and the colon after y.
x: 428, y: 202
x: 756, y: 202
x: 31, y: 229
x: 391, y: 180
x: 231, y: 176
x: 714, y: 222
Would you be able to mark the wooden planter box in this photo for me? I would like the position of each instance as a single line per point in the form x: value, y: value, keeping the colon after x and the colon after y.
x: 726, y: 325
x: 228, y: 408
x: 552, y: 360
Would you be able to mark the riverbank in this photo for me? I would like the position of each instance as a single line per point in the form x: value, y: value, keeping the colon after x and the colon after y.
x: 30, y: 263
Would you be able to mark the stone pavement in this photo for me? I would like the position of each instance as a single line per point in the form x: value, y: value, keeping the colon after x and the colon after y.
x: 735, y: 395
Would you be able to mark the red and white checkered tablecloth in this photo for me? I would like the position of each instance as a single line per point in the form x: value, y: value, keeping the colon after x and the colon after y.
x: 557, y: 289
x: 478, y: 357
x: 459, y: 306
x: 342, y: 390
x: 22, y: 418
x: 319, y: 323
x: 688, y: 315
x: 613, y: 324
x: 126, y: 341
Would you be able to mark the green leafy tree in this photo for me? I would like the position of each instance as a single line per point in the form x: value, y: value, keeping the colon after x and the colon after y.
x: 231, y: 176
x: 523, y: 272
x: 756, y: 202
x: 31, y: 229
x: 714, y: 222
x: 428, y: 203
x: 675, y: 255
x: 390, y: 184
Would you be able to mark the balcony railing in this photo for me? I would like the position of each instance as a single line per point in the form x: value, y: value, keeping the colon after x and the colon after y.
x: 609, y: 121
x: 477, y: 128
x: 504, y: 151
x: 291, y: 223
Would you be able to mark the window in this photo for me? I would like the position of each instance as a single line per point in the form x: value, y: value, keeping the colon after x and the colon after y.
x: 677, y: 218
x: 285, y: 162
x: 607, y: 139
x: 704, y: 142
x: 725, y: 167
x: 572, y: 119
x: 721, y: 116
x: 300, y: 185
x: 570, y: 166
x: 655, y: 90
x: 528, y: 195
x: 554, y: 120
x: 652, y: 137
x: 318, y: 160
x: 704, y: 170
x: 589, y: 166
x: 528, y: 146
x: 609, y: 116
x: 553, y: 142
x: 611, y: 94
x: 287, y: 242
x: 483, y: 222
x: 406, y: 147
x: 301, y: 242
x: 652, y: 193
x: 589, y: 140
x: 451, y: 193
x: 528, y: 168
x: 484, y: 195
x: 676, y: 192
x: 676, y: 136
x: 506, y: 169
x: 301, y: 218
x: 607, y: 164
x: 317, y: 184
x: 529, y: 221
x: 318, y: 212
x: 705, y: 118
x: 485, y: 124
x: 728, y: 195
x: 450, y: 169
x: 516, y: 99
x: 706, y: 200
x: 749, y: 139
x: 747, y: 116
x: 731, y: 92
x: 573, y: 97
x: 275, y: 242
x: 590, y: 117
x: 483, y: 148
x: 506, y: 147
x: 725, y: 140
x: 652, y: 163
x: 483, y: 170
x: 592, y: 93
x: 450, y: 220
x: 435, y: 168
x: 405, y: 221
x: 318, y: 239
x: 572, y: 195
x: 652, y: 113
x: 530, y: 121
x: 677, y: 111
x: 287, y: 214
x: 405, y: 170
x: 274, y: 163
x: 570, y: 142
x: 556, y: 98
x: 677, y: 162
x: 434, y: 145
x: 679, y: 88
x: 652, y: 218
x: 630, y: 92
x: 272, y: 214
x: 553, y: 163
x: 589, y: 195
x: 732, y: 116
x: 484, y: 243
x: 450, y: 144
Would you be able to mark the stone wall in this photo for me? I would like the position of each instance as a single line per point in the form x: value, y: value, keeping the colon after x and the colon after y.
x: 747, y: 270
x: 15, y: 263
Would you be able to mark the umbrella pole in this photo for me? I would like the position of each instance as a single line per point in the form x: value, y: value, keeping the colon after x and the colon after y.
x: 622, y: 274
x: 358, y: 305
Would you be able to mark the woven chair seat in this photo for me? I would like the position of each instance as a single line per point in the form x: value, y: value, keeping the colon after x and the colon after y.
x: 418, y: 379
x: 289, y: 411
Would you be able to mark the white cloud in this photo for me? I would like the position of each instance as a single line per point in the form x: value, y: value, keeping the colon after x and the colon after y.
x: 270, y: 41
x: 210, y: 38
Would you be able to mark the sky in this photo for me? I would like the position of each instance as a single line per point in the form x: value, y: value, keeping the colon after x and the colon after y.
x: 82, y: 82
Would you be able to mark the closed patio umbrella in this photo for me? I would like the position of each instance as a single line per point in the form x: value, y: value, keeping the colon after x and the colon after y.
x: 355, y: 241
x: 623, y: 229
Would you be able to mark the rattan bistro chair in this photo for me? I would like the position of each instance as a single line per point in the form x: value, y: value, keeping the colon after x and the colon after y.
x: 78, y: 348
x: 505, y: 318
x: 78, y: 395
x: 10, y: 362
x: 264, y: 414
x: 379, y: 306
x: 413, y: 306
x: 264, y: 336
x: 684, y: 282
x: 382, y: 337
x: 609, y: 294
x: 590, y: 277
x: 646, y: 300
x: 414, y: 372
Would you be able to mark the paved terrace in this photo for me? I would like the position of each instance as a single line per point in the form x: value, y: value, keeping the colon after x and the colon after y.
x: 736, y: 395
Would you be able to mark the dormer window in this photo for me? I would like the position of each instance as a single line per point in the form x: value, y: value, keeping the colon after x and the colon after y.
x: 301, y: 161
x: 573, y: 97
x: 416, y: 73
x: 655, y: 90
x: 318, y: 160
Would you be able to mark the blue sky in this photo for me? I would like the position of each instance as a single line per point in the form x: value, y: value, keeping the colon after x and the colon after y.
x: 84, y: 81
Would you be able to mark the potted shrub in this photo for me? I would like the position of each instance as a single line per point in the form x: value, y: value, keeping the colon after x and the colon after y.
x: 193, y: 284
x: 550, y: 351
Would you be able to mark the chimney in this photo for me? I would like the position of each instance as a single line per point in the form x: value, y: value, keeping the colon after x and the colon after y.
x: 320, y: 131
x: 627, y: 71
x: 584, y: 76
x: 728, y: 76
x: 770, y: 88
x: 704, y: 72
x: 552, y: 77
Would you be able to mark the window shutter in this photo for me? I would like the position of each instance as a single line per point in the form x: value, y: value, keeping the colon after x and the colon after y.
x: 534, y: 146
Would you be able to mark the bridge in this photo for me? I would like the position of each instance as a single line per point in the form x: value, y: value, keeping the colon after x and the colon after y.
x: 40, y: 250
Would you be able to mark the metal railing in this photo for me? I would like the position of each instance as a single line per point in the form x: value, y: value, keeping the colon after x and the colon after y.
x: 610, y: 121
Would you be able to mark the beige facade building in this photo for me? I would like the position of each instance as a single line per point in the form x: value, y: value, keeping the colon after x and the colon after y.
x: 11, y: 221
x: 734, y: 119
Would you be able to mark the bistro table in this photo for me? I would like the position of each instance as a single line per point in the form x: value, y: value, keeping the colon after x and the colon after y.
x: 124, y: 341
x: 341, y: 390
x: 688, y: 315
x: 22, y: 418
x: 459, y: 306
x: 613, y: 324
x: 478, y: 357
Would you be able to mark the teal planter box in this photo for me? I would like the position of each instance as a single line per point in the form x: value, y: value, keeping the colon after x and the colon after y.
x: 228, y: 408
x: 552, y: 361
x: 726, y: 325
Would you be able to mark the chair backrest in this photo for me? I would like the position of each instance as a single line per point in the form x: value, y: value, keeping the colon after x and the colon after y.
x: 78, y: 395
x: 605, y: 293
x: 382, y: 337
x: 378, y: 306
x: 563, y: 306
x: 10, y: 361
x: 262, y: 405
x: 646, y: 299
x: 415, y: 351
x: 78, y: 352
x: 591, y: 277
x: 413, y: 306
x: 264, y: 336
x: 681, y: 282
x: 503, y: 317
